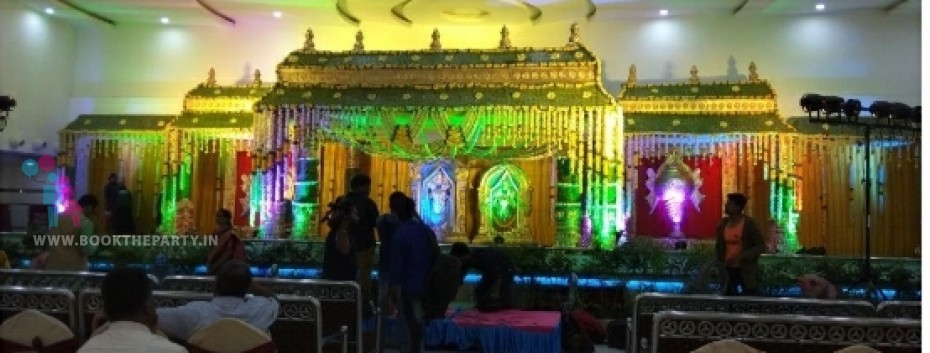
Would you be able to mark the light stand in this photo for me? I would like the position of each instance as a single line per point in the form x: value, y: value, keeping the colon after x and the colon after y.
x: 886, y: 116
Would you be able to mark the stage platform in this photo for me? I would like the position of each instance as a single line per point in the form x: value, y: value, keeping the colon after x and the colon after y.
x: 511, y: 331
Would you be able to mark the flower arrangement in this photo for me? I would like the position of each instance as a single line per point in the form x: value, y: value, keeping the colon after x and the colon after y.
x: 184, y: 217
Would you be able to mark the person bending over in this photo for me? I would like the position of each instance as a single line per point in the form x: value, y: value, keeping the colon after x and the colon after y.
x: 494, y: 290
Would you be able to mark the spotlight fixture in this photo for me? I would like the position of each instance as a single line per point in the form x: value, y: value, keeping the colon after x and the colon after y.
x: 277, y: 14
x: 833, y: 105
x: 820, y: 7
x: 880, y: 109
x: 663, y: 12
x: 165, y: 20
x: 811, y: 103
x: 851, y: 109
x: 7, y: 103
x: 49, y: 10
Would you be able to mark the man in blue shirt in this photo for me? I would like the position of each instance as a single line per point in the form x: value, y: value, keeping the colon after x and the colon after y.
x: 412, y: 255
x: 236, y: 296
x: 387, y: 225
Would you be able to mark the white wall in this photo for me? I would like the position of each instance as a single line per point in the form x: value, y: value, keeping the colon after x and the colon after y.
x: 57, y: 71
x: 37, y: 55
x: 870, y: 55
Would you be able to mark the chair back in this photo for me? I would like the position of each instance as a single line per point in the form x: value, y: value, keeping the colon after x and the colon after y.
x: 900, y: 309
x: 726, y: 346
x: 858, y: 349
x: 74, y: 281
x: 648, y: 304
x: 33, y: 331
x: 681, y: 332
x: 230, y: 336
x: 340, y: 302
x: 55, y: 302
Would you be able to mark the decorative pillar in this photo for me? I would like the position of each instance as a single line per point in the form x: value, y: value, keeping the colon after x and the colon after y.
x: 306, y: 192
x: 567, y: 204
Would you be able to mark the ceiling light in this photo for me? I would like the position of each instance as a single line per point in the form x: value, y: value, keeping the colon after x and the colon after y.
x: 277, y: 14
x: 820, y: 7
x: 165, y: 20
x: 49, y: 10
x: 663, y: 12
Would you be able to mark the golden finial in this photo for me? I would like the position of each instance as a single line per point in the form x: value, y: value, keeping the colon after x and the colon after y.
x: 694, y: 75
x: 505, y: 39
x: 211, y: 78
x: 309, y: 46
x: 753, y: 75
x: 631, y: 79
x: 359, y: 42
x: 257, y: 78
x: 435, y: 45
x: 574, y: 38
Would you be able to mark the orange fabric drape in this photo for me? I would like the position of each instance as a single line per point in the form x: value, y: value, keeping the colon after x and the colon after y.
x: 206, y: 193
x: 542, y: 217
x: 833, y: 199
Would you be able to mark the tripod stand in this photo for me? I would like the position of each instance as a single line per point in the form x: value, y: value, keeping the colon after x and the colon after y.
x: 867, y: 279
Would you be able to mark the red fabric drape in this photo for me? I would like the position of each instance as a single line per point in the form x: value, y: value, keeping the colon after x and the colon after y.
x: 695, y: 223
x: 243, y: 170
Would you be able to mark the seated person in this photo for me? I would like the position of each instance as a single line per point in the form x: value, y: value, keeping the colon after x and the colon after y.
x: 128, y: 305
x: 230, y: 300
x: 816, y: 287
x: 493, y: 292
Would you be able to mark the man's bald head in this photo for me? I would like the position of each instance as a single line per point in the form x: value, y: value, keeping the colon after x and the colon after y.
x: 233, y: 279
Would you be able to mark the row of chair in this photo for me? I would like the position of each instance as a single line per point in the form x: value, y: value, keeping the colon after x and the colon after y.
x: 644, y: 329
x: 336, y: 314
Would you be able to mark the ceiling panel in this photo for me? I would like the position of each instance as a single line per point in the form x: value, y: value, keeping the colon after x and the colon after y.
x: 189, y: 12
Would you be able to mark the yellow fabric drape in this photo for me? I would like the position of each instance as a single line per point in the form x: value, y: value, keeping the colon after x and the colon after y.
x: 332, y: 183
x: 206, y: 192
x: 833, y: 200
x: 542, y: 217
x: 139, y: 164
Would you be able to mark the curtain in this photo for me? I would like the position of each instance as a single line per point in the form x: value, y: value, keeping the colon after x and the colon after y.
x: 139, y: 165
x: 332, y: 183
x: 542, y: 184
x: 833, y: 201
x: 205, y: 189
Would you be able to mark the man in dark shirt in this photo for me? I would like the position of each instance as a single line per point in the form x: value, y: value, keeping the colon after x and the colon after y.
x: 494, y: 290
x: 362, y: 232
x: 387, y: 224
x: 339, y: 263
x: 110, y: 199
x: 412, y: 256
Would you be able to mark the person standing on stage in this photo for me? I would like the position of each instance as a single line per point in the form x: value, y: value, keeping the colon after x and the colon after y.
x: 362, y: 232
x: 494, y: 290
x: 110, y: 200
x: 339, y: 263
x: 739, y: 245
x: 228, y: 247
x: 413, y: 251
